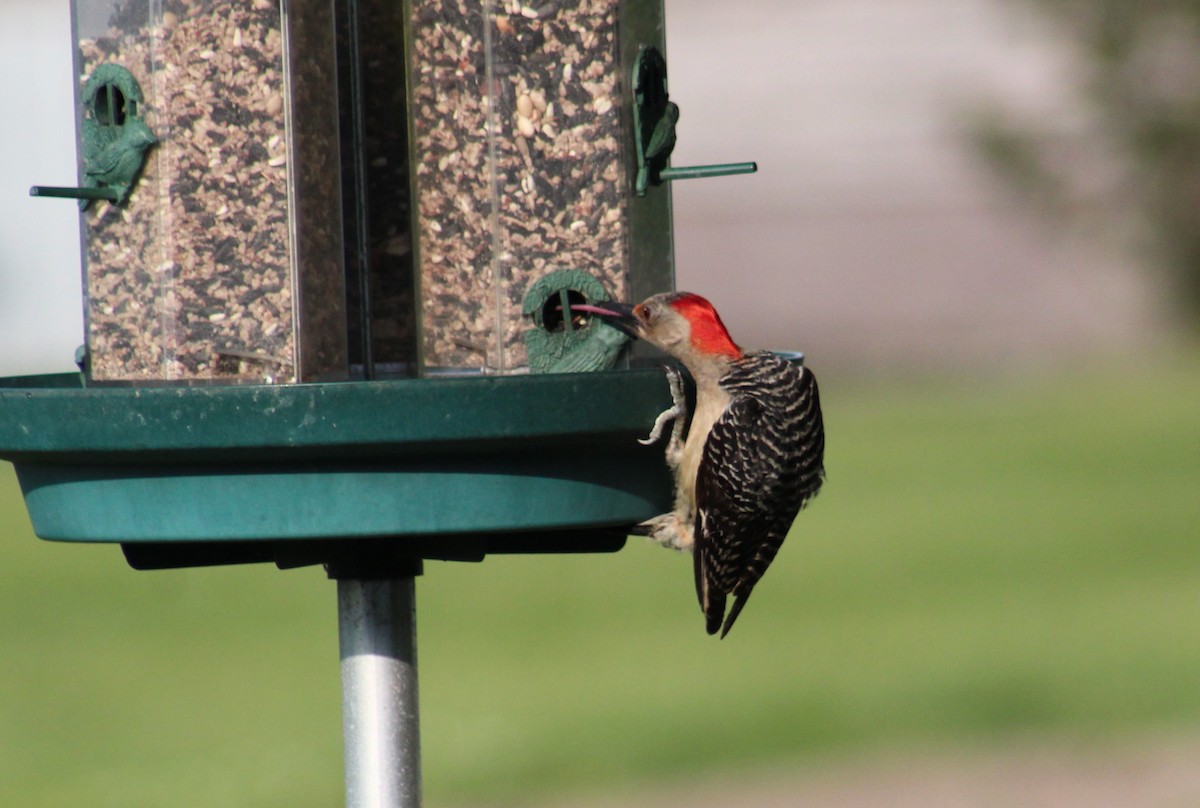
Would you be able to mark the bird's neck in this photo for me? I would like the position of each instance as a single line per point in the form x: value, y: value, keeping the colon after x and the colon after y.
x: 707, y: 370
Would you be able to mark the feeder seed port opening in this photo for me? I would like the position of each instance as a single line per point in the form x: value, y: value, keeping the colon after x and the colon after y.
x: 563, y: 340
x: 115, y: 139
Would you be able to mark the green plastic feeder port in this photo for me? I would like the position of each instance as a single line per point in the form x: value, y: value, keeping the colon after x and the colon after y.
x: 562, y: 341
x: 655, y: 118
x: 114, y: 138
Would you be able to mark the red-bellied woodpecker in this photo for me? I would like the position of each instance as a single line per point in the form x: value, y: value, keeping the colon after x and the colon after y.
x: 753, y: 455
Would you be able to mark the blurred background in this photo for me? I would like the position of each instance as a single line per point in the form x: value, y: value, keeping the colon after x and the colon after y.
x: 978, y: 220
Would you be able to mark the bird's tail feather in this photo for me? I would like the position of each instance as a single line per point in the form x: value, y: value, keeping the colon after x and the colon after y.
x: 713, y: 613
x: 712, y: 601
x: 738, y: 603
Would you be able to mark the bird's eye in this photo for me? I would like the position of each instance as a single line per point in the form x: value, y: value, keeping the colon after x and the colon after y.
x: 644, y: 313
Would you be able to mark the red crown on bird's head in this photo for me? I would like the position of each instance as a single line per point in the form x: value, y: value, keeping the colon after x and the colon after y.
x: 708, y: 334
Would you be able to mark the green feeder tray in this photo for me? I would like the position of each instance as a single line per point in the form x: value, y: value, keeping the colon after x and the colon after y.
x: 448, y: 468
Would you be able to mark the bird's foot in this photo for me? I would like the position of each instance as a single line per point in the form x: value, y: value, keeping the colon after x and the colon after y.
x: 676, y: 412
x: 666, y: 529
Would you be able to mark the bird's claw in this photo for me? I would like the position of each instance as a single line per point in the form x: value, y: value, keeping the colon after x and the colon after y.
x: 657, y: 429
x: 667, y: 530
x: 676, y: 412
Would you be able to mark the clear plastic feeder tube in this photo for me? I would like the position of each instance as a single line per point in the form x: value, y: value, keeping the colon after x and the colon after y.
x: 521, y: 165
x: 214, y: 125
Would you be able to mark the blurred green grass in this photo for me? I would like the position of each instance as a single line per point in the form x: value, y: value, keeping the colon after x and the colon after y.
x: 988, y: 558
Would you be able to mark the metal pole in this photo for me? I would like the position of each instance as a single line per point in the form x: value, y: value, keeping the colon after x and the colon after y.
x: 378, y: 641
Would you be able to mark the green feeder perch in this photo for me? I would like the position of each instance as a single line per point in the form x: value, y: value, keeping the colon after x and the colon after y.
x: 327, y: 322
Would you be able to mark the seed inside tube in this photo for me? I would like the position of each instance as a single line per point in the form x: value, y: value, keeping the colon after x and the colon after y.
x: 556, y: 206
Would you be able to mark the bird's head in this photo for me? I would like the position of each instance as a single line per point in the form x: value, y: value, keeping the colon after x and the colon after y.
x: 683, y: 324
x: 139, y: 136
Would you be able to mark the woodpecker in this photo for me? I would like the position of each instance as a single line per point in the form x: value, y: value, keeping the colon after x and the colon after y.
x: 753, y: 455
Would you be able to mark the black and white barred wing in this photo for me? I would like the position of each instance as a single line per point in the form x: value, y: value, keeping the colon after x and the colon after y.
x: 763, y: 460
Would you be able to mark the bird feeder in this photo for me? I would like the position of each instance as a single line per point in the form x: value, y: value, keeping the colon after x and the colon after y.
x: 330, y: 253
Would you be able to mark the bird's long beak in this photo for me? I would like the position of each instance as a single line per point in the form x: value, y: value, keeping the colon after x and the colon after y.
x: 618, y: 315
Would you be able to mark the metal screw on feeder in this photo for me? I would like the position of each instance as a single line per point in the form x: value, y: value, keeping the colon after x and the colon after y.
x: 314, y: 297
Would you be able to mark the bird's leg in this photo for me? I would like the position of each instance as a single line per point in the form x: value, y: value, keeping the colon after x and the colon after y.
x: 674, y: 452
x: 669, y: 529
x: 676, y: 412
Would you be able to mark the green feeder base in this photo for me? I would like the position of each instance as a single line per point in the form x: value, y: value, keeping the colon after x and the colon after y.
x: 450, y: 468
